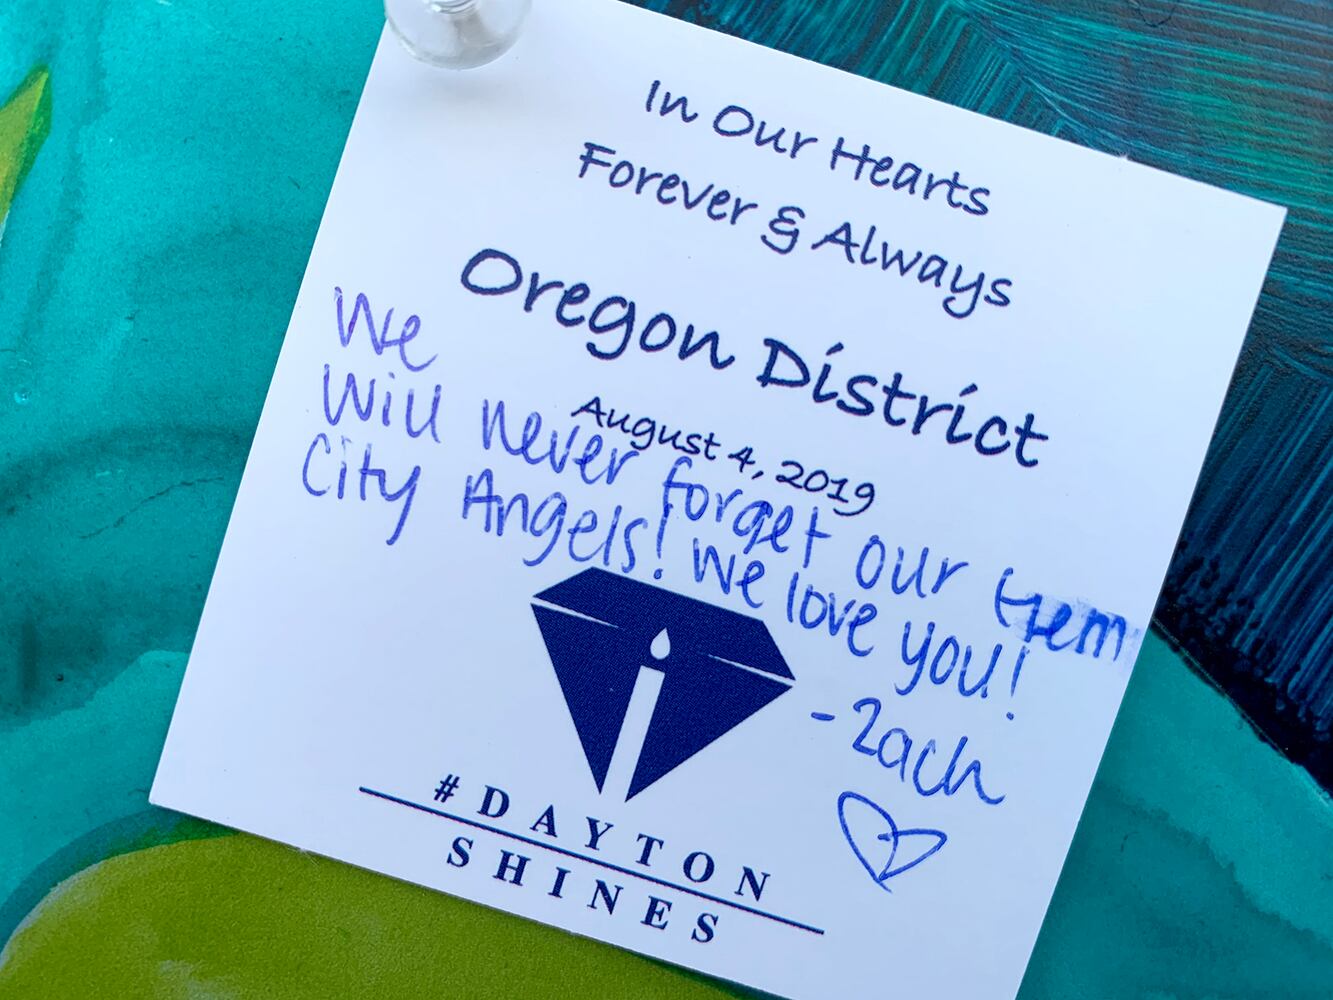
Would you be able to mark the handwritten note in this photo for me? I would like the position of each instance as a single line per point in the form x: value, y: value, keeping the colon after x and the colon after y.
x: 712, y: 503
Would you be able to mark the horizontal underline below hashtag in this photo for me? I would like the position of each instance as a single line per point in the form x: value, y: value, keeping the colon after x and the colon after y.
x: 592, y: 861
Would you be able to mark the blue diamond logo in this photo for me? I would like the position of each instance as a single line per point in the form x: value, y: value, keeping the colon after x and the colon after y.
x: 718, y: 668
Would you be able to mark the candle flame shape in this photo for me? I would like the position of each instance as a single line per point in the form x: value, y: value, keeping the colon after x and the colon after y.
x: 661, y: 646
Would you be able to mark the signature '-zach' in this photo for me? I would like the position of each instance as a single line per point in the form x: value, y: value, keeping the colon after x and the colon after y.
x: 890, y: 851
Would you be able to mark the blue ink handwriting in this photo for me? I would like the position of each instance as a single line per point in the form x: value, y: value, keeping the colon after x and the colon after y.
x: 381, y: 401
x: 1095, y: 625
x: 894, y: 750
x: 528, y: 445
x: 951, y: 654
x: 904, y: 850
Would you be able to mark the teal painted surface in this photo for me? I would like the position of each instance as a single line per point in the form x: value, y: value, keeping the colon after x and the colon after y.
x: 146, y: 277
x: 1235, y: 93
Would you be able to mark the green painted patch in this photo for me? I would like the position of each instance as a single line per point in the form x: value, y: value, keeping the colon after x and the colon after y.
x: 25, y: 122
x: 1201, y: 868
x: 179, y: 191
x: 96, y: 806
x: 238, y: 917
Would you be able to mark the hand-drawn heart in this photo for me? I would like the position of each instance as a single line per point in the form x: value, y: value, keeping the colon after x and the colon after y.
x: 922, y: 843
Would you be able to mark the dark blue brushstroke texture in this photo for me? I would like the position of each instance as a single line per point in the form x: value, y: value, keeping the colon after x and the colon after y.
x: 1242, y: 102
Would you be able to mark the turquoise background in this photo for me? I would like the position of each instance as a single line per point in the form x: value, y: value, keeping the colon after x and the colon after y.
x: 147, y: 272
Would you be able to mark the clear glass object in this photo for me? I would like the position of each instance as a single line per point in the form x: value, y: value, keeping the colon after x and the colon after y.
x: 457, y: 34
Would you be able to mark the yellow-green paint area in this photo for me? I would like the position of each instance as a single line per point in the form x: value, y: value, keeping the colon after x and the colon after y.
x: 164, y: 232
x: 238, y: 918
x: 25, y: 122
x: 1201, y: 869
